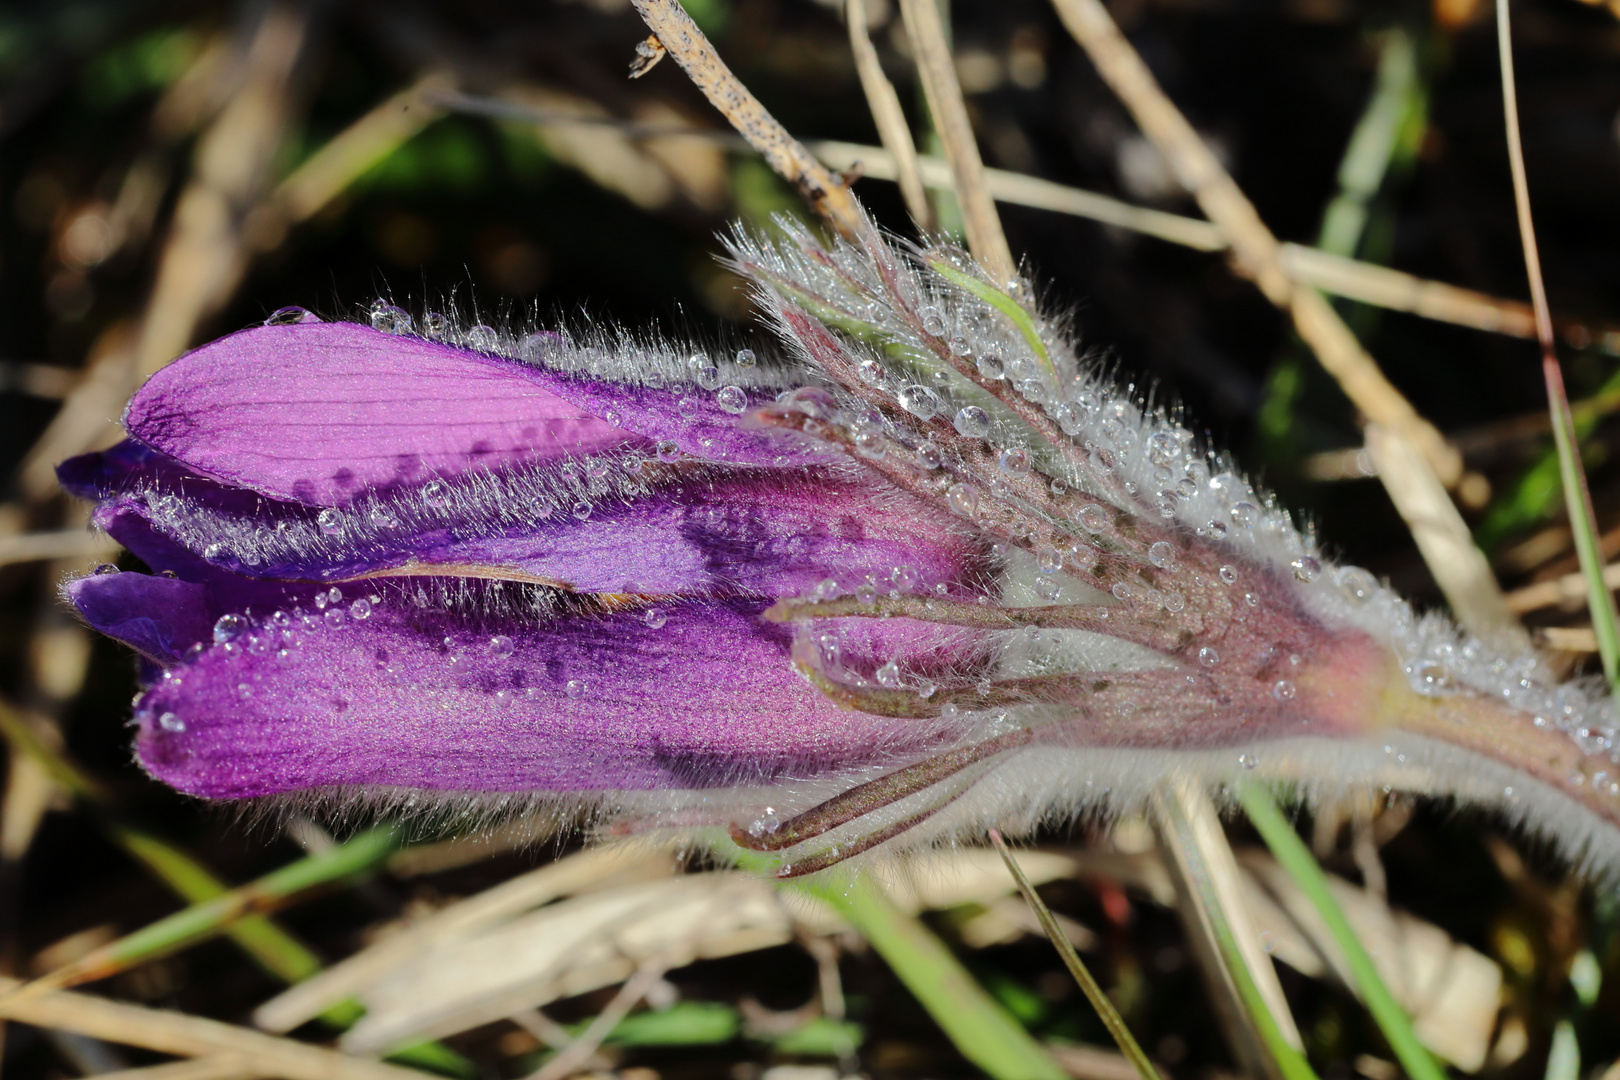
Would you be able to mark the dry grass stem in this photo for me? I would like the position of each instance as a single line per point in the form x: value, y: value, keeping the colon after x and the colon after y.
x: 1567, y: 590
x: 1573, y: 639
x: 62, y: 544
x: 944, y: 93
x: 890, y: 119
x: 1255, y: 249
x: 218, y: 1067
x: 1198, y: 852
x: 329, y: 171
x: 1258, y: 255
x: 574, y: 1056
x: 1352, y: 279
x: 572, y: 874
x: 190, y: 1036
x: 828, y: 194
x: 1459, y: 567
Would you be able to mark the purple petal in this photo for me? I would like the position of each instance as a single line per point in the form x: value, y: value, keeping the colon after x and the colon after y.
x: 158, y: 617
x: 406, y: 699
x: 319, y: 412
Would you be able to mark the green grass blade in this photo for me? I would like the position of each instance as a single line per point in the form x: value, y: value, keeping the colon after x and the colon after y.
x: 996, y: 298
x: 210, y: 916
x: 979, y: 1026
x: 1294, y: 857
x: 1094, y: 993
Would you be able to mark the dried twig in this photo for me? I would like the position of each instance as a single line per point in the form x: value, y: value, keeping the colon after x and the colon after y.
x: 938, y: 71
x: 1258, y: 254
x: 828, y: 194
x: 63, y: 544
x: 888, y: 116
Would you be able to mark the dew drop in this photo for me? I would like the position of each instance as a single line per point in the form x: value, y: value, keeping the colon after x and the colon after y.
x: 1306, y: 568
x: 1283, y: 690
x: 501, y: 646
x: 216, y: 552
x: 1014, y: 460
x: 972, y: 421
x: 1208, y: 656
x: 360, y: 610
x: 870, y: 372
x: 390, y: 319
x: 1163, y: 448
x: 171, y: 723
x: 1248, y: 761
x: 1245, y: 514
x: 1048, y: 589
x: 1357, y: 584
x: 919, y: 401
x: 1093, y: 517
x: 866, y: 592
x: 436, y: 494
x: 382, y: 518
x: 731, y: 399
x: 930, y: 456
x: 668, y: 451
x: 1049, y: 559
x: 889, y: 675
x: 654, y: 618
x: 1229, y: 575
x: 959, y: 346
x: 575, y: 688
x: 582, y: 510
x: 482, y: 338
x: 1163, y: 555
x: 292, y: 315
x: 989, y: 366
x: 870, y: 445
x: 435, y: 327
x: 745, y: 358
x: 962, y: 500
x: 1121, y: 591
x: 105, y: 568
x: 1432, y: 678
x: 1082, y: 556
x: 932, y: 321
x: 704, y: 373
x: 330, y: 521
x: 334, y: 617
x: 229, y: 628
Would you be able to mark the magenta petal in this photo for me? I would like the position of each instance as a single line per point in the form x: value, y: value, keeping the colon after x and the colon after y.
x: 319, y: 412
x: 577, y: 705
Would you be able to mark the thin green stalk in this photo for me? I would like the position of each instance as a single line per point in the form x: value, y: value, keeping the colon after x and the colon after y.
x: 1582, y: 520
x: 1294, y: 857
x: 982, y: 1030
x: 208, y: 918
x: 1088, y: 984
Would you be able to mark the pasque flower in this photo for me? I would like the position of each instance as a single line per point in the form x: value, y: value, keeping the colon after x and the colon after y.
x: 925, y: 570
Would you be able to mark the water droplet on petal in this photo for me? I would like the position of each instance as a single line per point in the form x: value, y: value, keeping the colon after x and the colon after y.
x: 1163, y: 448
x: 932, y: 321
x: 229, y: 628
x: 1245, y: 514
x: 481, y: 338
x: 390, y: 319
x: 889, y: 675
x: 435, y: 327
x: 989, y: 366
x: 1163, y: 555
x: 1093, y: 517
x: 655, y: 618
x: 105, y: 568
x: 731, y: 399
x: 360, y: 609
x: 973, y: 422
x: 704, y: 373
x: 1306, y: 568
x: 960, y: 346
x: 1283, y: 690
x: 292, y: 315
x: 171, y: 723
x: 1432, y: 678
x: 1357, y: 584
x: 330, y: 521
x: 930, y: 456
x: 436, y: 494
x: 1048, y: 589
x: 1014, y: 460
x: 1049, y: 559
x: 745, y: 358
x: 870, y: 445
x: 334, y: 617
x: 919, y: 401
x: 501, y: 646
x: 1229, y: 574
x: 669, y: 451
x: 575, y: 688
x: 962, y: 500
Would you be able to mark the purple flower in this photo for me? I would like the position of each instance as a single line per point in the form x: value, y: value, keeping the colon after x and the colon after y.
x: 929, y: 568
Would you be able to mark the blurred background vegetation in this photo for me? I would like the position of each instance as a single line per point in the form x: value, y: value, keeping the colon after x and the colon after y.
x: 171, y: 171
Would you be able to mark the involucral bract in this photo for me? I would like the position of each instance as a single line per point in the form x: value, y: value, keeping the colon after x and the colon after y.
x: 921, y: 570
